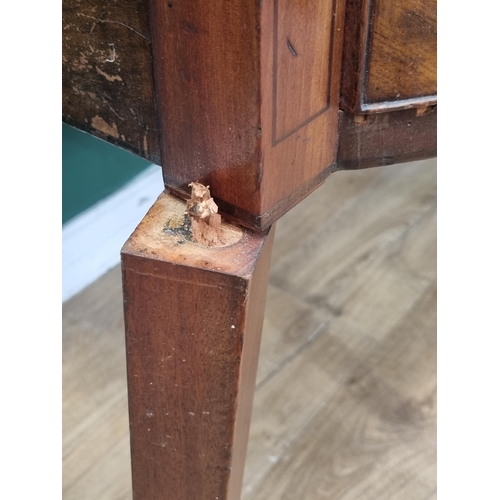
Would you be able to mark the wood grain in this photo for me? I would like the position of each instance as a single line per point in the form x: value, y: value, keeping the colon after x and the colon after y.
x: 302, y: 55
x: 238, y: 108
x: 243, y: 92
x: 337, y: 273
x: 96, y: 440
x: 207, y: 81
x: 352, y: 414
x: 403, y: 57
x: 303, y: 159
x: 387, y: 138
x: 374, y: 420
x: 390, y: 55
x: 108, y: 73
x: 248, y: 95
x: 345, y: 402
x: 193, y: 321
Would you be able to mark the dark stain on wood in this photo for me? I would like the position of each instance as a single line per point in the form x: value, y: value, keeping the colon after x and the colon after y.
x: 108, y: 73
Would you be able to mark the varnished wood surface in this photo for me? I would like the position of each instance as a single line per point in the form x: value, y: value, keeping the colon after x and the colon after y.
x: 244, y: 98
x: 300, y: 95
x: 302, y: 45
x: 207, y: 79
x: 193, y: 322
x: 345, y: 402
x: 248, y: 99
x: 403, y: 52
x: 386, y: 138
x: 390, y: 55
x: 108, y: 73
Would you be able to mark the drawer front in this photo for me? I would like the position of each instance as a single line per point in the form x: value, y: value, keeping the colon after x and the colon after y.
x: 389, y: 55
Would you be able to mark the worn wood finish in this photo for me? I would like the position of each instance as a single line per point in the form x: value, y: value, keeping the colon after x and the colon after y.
x: 248, y: 99
x: 108, y: 73
x: 248, y: 94
x: 193, y: 318
x: 389, y: 55
x: 244, y: 93
x: 384, y: 139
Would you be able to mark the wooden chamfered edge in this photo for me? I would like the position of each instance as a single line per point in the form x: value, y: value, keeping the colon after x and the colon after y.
x: 193, y: 319
x: 220, y: 72
x: 358, y: 54
x: 388, y: 138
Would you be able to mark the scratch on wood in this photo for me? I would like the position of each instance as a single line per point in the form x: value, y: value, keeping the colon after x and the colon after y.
x: 291, y: 47
x: 169, y: 278
x: 115, y: 22
x: 112, y: 109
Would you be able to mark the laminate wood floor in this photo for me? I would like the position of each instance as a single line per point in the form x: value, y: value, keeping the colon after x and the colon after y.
x: 345, y: 404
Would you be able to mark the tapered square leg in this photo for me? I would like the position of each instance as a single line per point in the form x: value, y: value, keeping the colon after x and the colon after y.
x: 193, y: 320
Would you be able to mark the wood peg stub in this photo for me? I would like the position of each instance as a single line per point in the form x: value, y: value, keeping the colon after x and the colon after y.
x: 205, y: 221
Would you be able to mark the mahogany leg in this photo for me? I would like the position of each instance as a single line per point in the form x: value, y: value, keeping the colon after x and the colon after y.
x: 193, y: 321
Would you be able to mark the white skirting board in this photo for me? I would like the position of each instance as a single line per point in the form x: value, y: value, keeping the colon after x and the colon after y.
x: 93, y: 239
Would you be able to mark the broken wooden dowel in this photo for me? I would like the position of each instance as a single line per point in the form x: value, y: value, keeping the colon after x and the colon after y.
x: 205, y: 221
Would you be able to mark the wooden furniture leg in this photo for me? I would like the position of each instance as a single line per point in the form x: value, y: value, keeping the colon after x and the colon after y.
x: 193, y: 320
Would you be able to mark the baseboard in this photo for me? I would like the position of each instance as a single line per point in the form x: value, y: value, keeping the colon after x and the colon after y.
x: 93, y: 239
